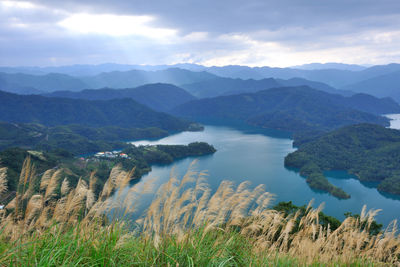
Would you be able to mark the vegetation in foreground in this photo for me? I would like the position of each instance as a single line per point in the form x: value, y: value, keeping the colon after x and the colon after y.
x: 371, y: 152
x: 186, y: 224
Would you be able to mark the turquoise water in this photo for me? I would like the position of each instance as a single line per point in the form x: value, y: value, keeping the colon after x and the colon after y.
x: 258, y: 156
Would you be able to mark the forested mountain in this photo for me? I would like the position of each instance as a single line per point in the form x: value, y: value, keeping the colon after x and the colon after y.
x: 13, y: 82
x: 228, y: 86
x: 371, y: 104
x: 61, y: 111
x: 369, y: 151
x: 45, y: 83
x: 382, y: 86
x: 334, y: 77
x: 294, y: 109
x: 17, y: 89
x: 161, y: 97
x: 135, y: 78
x: 76, y: 139
x: 316, y: 85
x: 201, y: 81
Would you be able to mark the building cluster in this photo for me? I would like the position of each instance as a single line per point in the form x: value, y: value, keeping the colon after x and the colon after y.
x: 111, y: 155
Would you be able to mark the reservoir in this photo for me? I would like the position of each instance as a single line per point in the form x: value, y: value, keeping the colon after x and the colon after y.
x: 257, y: 155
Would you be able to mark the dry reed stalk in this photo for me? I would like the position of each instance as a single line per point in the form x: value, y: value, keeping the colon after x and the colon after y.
x: 44, y: 182
x: 64, y: 187
x: 25, y: 171
x: 52, y: 185
x: 117, y: 174
x: 33, y: 209
x: 78, y: 203
x: 3, y: 180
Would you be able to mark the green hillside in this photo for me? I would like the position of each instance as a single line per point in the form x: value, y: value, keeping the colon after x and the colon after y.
x: 125, y: 113
x: 371, y: 152
x: 76, y: 139
x: 294, y: 109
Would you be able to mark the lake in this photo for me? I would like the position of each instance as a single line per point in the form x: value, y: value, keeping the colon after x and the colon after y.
x: 394, y: 120
x: 257, y: 155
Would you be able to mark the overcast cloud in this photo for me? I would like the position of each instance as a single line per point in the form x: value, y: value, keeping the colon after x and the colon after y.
x: 211, y: 32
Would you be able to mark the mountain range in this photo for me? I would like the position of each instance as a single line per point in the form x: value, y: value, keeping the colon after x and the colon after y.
x: 99, y: 113
x: 325, y: 66
x: 160, y: 97
x: 295, y: 109
x: 76, y: 139
x: 381, y: 86
x: 202, y: 81
x: 229, y: 86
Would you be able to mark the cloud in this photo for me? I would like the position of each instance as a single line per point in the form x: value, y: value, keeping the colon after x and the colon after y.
x: 114, y: 25
x: 254, y: 32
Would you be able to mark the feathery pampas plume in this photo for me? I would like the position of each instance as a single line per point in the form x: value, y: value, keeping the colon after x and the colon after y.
x: 3, y: 180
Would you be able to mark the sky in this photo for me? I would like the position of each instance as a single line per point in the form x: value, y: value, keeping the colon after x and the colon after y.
x: 209, y: 32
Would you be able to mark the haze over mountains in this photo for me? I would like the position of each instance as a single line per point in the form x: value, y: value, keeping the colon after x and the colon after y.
x: 159, y: 96
x: 381, y: 86
x: 338, y: 66
x: 201, y: 81
x: 229, y: 86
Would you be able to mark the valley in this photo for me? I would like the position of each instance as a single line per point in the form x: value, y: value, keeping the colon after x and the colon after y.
x: 199, y: 133
x: 123, y: 136
x: 258, y: 127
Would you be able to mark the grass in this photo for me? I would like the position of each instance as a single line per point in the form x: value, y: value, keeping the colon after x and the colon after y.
x: 51, y: 224
x: 117, y: 247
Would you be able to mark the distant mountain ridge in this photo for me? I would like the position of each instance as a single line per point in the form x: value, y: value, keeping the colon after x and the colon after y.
x: 44, y: 83
x: 16, y: 88
x: 136, y: 78
x: 13, y: 82
x: 160, y: 97
x: 229, y: 86
x: 323, y: 66
x: 376, y: 80
x: 81, y: 70
x: 333, y: 77
x: 381, y: 86
x: 200, y: 84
